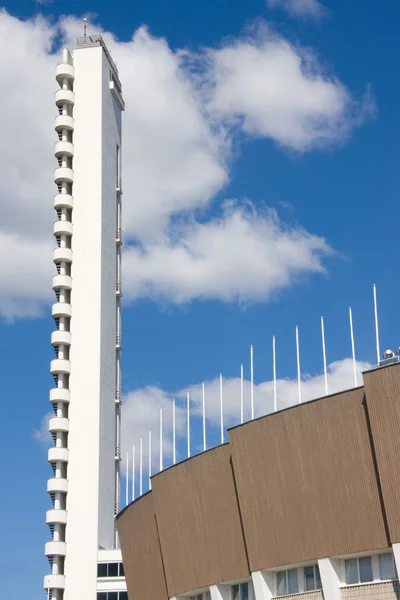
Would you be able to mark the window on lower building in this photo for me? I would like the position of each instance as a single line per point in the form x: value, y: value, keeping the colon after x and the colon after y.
x: 204, y: 596
x: 242, y: 591
x: 112, y: 595
x: 387, y: 569
x: 358, y: 570
x: 110, y: 570
x: 312, y: 579
x: 287, y: 582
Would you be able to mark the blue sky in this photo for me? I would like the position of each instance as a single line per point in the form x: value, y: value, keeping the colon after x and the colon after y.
x: 342, y: 189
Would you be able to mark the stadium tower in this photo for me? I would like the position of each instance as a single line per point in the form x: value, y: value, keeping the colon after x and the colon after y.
x: 86, y: 397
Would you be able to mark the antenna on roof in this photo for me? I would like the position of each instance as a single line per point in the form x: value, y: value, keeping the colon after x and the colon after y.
x: 188, y: 423
x: 141, y: 467
x: 324, y: 355
x: 274, y: 369
x: 221, y: 407
x: 241, y: 394
x: 161, y: 441
x: 298, y: 362
x: 85, y: 22
x: 352, y: 346
x: 173, y: 432
x: 150, y: 460
x: 378, y: 352
x: 252, y: 382
x: 127, y: 480
x: 203, y: 396
x: 133, y: 472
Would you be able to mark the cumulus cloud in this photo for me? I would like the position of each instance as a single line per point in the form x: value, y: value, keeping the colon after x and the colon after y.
x: 184, y: 110
x: 243, y: 255
x: 299, y: 8
x: 272, y: 89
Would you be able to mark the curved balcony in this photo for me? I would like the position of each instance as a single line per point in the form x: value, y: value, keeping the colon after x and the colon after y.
x: 61, y: 337
x: 55, y: 485
x: 64, y: 71
x: 55, y: 549
x: 64, y: 122
x: 54, y: 582
x: 63, y: 149
x: 58, y: 424
x: 59, y: 395
x: 62, y: 255
x: 62, y: 281
x: 63, y: 228
x: 65, y: 97
x: 56, y: 516
x: 60, y: 365
x: 63, y: 174
x: 61, y: 309
x: 58, y: 455
x: 63, y: 201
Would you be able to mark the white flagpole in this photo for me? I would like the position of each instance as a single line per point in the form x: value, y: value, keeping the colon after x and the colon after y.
x: 252, y: 382
x: 149, y: 460
x: 173, y: 432
x: 133, y: 472
x: 188, y: 422
x: 324, y: 355
x: 352, y: 346
x: 203, y: 394
x: 378, y: 352
x: 241, y: 395
x: 161, y: 441
x: 298, y: 362
x: 127, y: 480
x: 221, y: 407
x: 274, y: 371
x: 141, y: 467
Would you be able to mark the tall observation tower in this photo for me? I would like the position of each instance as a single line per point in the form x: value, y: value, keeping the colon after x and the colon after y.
x: 86, y: 397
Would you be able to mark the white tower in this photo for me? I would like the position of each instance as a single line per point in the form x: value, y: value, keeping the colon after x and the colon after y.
x: 86, y: 398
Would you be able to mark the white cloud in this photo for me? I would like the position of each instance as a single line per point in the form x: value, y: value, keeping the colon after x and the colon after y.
x: 183, y: 112
x: 273, y: 89
x: 299, y: 8
x: 241, y: 256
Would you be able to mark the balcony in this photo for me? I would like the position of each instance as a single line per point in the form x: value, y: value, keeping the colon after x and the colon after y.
x: 62, y: 255
x: 118, y: 236
x: 59, y: 395
x: 56, y: 516
x: 119, y: 185
x: 61, y: 337
x: 118, y: 288
x: 64, y: 122
x: 60, y: 365
x: 64, y: 71
x: 54, y: 582
x: 55, y: 485
x: 63, y: 174
x: 63, y: 228
x: 58, y: 455
x: 55, y: 549
x: 62, y: 148
x: 57, y: 424
x: 63, y: 201
x: 65, y: 97
x: 62, y: 282
x: 61, y: 309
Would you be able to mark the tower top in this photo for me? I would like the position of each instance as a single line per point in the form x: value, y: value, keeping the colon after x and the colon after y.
x: 88, y: 41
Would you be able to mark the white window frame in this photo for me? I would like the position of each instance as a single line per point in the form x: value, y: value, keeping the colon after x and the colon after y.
x: 375, y: 569
x: 300, y: 580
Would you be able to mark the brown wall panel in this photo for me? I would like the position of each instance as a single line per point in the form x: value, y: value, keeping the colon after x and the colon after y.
x: 306, y: 482
x: 382, y: 390
x: 198, y: 522
x: 141, y: 552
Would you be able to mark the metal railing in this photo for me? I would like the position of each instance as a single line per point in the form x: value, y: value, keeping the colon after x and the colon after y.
x: 118, y: 183
x: 118, y: 340
x: 118, y: 235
